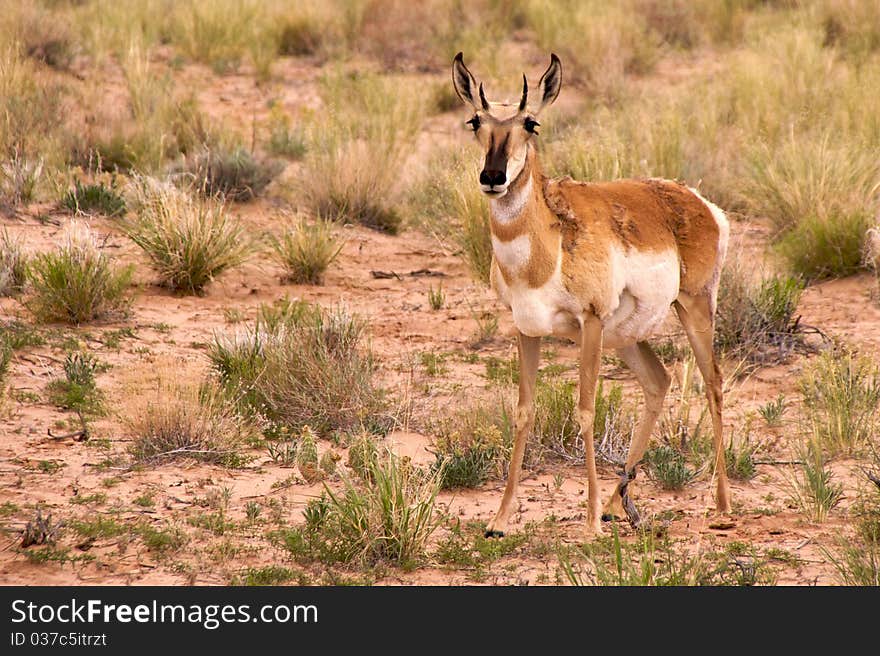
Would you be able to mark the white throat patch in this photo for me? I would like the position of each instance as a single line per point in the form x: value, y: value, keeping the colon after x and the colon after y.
x: 510, y: 205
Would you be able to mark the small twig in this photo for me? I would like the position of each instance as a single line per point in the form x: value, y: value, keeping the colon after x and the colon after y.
x: 81, y: 435
x: 418, y: 273
x: 383, y: 275
x: 779, y: 462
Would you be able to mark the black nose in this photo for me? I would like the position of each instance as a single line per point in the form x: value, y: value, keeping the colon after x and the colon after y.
x: 492, y: 178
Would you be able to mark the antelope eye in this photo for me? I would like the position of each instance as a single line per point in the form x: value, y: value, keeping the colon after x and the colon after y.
x: 530, y: 125
x: 474, y: 123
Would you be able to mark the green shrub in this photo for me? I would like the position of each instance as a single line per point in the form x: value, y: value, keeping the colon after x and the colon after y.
x: 471, y: 446
x: 813, y: 488
x: 78, y: 390
x: 669, y: 467
x: 756, y: 320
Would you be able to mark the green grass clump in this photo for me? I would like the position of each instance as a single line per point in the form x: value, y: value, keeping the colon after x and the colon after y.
x: 471, y: 446
x: 772, y: 411
x: 268, y: 575
x: 390, y: 519
x: 189, y: 242
x: 813, y: 488
x: 78, y: 282
x: 660, y: 561
x: 162, y: 541
x: 95, y: 198
x: 739, y: 457
x: 841, y: 393
x: 306, y: 250
x: 669, y: 467
x: 284, y: 140
x: 78, y: 390
x: 821, y: 199
x: 556, y: 421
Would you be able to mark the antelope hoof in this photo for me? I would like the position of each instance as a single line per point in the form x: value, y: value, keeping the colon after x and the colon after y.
x: 609, y: 517
x: 492, y: 533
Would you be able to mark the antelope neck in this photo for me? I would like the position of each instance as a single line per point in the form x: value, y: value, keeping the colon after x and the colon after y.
x: 510, y: 212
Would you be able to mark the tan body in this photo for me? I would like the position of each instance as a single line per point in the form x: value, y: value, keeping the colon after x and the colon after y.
x: 601, y: 264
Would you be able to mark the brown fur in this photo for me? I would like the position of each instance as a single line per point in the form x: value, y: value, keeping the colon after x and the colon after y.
x: 647, y: 215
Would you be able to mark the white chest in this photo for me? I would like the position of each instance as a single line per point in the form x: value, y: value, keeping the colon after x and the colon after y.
x: 537, y: 311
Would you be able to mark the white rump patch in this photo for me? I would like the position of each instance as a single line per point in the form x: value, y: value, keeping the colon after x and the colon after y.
x: 723, y: 237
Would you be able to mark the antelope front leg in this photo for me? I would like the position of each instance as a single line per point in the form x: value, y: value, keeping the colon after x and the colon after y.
x: 591, y: 355
x: 529, y: 354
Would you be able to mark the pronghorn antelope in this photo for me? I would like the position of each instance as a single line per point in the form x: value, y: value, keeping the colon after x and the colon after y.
x: 600, y: 263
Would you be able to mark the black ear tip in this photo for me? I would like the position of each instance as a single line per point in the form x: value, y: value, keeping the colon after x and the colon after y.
x: 554, y: 59
x: 459, y: 57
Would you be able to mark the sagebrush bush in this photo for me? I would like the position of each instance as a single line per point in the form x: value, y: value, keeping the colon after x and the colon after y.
x: 189, y: 241
x: 312, y: 368
x: 232, y: 173
x: 306, y: 250
x: 78, y: 282
x: 841, y: 393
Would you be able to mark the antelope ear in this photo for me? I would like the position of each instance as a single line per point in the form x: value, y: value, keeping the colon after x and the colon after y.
x: 463, y: 81
x: 551, y: 82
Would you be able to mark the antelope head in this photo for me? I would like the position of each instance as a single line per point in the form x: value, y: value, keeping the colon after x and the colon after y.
x: 504, y: 129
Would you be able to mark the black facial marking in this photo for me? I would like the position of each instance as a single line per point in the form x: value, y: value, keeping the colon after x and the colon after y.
x: 474, y: 123
x: 530, y: 125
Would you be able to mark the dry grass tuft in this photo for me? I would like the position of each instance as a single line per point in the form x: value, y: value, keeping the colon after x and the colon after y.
x: 188, y: 422
x: 189, y: 241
